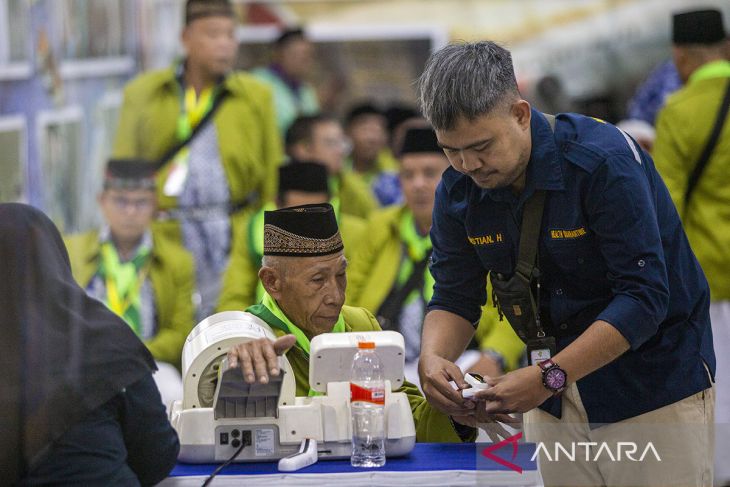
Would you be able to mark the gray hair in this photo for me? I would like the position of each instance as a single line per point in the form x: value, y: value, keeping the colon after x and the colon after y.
x: 276, y: 262
x: 465, y: 80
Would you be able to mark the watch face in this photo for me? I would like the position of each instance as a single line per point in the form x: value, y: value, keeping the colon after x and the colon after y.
x: 555, y: 378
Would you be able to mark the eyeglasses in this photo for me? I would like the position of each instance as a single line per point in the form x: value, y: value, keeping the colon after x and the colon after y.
x: 138, y: 204
x: 341, y: 143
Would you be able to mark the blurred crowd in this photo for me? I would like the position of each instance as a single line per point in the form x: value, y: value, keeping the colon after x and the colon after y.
x: 202, y: 151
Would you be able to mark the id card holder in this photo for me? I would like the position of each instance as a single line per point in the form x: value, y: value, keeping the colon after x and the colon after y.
x: 540, y: 349
x: 176, y: 178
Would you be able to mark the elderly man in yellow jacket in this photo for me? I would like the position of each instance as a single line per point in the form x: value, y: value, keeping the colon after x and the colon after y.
x: 213, y: 132
x: 305, y: 279
x: 300, y: 183
x: 702, y: 196
x: 142, y: 276
x: 389, y: 273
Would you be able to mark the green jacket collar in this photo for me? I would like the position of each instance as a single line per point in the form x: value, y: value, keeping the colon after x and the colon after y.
x: 271, y: 313
x: 145, y: 244
x: 713, y: 69
x: 417, y: 245
x: 92, y: 255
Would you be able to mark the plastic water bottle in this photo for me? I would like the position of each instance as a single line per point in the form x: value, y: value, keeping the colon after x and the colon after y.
x: 367, y: 402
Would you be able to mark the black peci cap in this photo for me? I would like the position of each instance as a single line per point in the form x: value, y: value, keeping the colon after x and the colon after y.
x: 129, y: 174
x: 302, y: 231
x: 308, y: 176
x: 420, y: 140
x: 698, y: 27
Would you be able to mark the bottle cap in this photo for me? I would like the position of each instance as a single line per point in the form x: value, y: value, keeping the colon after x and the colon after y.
x: 366, y: 345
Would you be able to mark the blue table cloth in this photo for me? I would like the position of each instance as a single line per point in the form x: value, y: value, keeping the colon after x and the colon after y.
x: 427, y: 464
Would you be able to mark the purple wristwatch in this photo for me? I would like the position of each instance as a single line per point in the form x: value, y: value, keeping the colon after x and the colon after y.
x: 554, y: 378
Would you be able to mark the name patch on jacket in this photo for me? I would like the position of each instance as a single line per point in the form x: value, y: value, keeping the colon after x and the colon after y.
x: 567, y: 234
x: 487, y: 239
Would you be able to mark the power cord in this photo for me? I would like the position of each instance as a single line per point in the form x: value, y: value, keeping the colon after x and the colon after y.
x: 224, y: 465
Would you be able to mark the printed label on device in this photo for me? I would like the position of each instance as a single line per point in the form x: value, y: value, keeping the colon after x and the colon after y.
x: 264, y: 441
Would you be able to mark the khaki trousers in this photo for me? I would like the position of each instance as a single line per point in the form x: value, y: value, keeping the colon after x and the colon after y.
x: 670, y: 446
x: 720, y: 316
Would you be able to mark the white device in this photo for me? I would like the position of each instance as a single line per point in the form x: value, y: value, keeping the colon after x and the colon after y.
x: 219, y: 411
x: 306, y: 456
x: 476, y: 382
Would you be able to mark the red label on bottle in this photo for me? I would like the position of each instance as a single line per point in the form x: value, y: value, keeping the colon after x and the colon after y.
x: 359, y: 393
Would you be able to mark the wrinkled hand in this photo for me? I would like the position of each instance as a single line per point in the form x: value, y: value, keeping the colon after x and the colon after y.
x: 258, y: 358
x: 516, y: 392
x: 435, y: 373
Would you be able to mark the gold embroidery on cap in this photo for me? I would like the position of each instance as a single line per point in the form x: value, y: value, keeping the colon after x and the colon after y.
x: 279, y: 240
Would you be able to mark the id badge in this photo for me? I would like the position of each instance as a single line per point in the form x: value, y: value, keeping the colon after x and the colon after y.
x: 176, y: 178
x: 540, y: 349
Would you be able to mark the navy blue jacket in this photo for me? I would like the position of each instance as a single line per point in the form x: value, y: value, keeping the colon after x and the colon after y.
x: 611, y: 248
x: 128, y: 441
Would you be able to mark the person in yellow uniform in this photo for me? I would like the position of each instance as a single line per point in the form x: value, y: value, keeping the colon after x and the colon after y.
x: 300, y: 183
x: 141, y: 275
x: 304, y: 276
x: 371, y: 159
x: 389, y: 273
x: 702, y: 196
x: 212, y: 131
x: 321, y: 138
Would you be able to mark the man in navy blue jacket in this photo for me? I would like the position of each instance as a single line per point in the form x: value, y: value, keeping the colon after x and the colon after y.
x: 624, y: 338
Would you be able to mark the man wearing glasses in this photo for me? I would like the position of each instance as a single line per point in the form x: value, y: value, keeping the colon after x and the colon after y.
x: 143, y: 277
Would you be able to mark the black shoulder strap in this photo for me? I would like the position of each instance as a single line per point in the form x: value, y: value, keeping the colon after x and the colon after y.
x: 390, y: 309
x: 704, y: 158
x: 530, y: 234
x: 530, y: 227
x: 175, y: 148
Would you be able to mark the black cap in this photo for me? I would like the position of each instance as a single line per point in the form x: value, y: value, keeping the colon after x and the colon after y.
x: 398, y: 114
x: 360, y: 110
x: 309, y: 176
x: 197, y: 9
x: 289, y: 35
x: 129, y: 174
x: 698, y: 27
x: 302, y: 231
x: 420, y: 140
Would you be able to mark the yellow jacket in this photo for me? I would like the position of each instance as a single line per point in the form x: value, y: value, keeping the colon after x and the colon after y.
x: 374, y: 269
x: 172, y: 276
x: 354, y: 196
x: 683, y: 127
x: 249, y: 142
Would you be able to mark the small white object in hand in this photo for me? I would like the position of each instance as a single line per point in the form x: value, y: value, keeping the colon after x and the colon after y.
x: 477, y: 384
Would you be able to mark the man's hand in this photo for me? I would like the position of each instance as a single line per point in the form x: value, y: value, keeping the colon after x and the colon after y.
x: 258, y: 358
x: 516, y: 392
x: 436, y: 372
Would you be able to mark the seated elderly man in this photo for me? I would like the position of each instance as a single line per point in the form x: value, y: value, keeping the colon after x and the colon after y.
x: 304, y: 275
x: 300, y: 183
